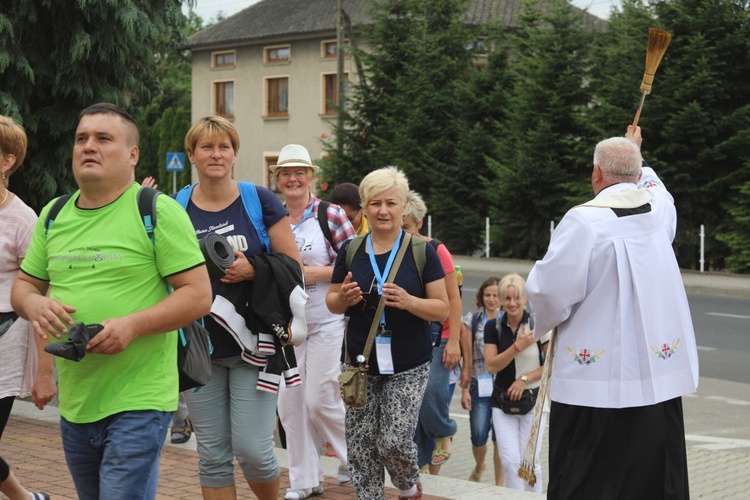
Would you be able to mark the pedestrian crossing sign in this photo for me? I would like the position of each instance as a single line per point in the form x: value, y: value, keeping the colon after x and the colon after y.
x: 175, y: 162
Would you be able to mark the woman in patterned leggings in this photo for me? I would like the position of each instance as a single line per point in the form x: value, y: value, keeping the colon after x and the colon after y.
x: 381, y: 434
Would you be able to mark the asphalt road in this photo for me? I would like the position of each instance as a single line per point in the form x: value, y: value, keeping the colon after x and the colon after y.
x: 722, y: 331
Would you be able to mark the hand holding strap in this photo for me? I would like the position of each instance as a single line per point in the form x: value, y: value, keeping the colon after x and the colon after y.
x: 381, y: 303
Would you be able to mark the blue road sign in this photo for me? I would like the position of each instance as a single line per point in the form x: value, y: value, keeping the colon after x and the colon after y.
x: 175, y: 162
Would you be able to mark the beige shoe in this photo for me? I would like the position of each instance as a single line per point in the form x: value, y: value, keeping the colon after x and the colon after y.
x: 476, y: 474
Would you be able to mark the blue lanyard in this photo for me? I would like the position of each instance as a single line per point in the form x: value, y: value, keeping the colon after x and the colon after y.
x: 305, y: 216
x: 375, y: 269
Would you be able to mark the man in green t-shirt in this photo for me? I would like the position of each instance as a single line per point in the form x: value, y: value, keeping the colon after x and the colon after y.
x: 99, y: 266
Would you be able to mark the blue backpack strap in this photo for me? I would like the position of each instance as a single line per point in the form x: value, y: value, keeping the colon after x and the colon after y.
x: 542, y: 357
x: 251, y: 202
x: 146, y: 200
x: 54, y: 210
x: 183, y: 195
x: 249, y: 195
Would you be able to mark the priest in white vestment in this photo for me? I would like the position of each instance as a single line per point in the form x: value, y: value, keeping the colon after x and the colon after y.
x: 625, y: 349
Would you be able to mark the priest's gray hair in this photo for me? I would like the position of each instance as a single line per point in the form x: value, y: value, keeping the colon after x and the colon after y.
x: 619, y: 158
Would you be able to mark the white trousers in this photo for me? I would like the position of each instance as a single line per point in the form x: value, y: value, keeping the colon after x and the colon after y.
x: 512, y: 433
x: 313, y: 412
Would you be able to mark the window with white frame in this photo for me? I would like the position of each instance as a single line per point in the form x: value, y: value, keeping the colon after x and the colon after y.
x: 480, y: 48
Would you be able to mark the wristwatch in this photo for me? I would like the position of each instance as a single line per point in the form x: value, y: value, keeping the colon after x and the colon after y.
x: 525, y: 378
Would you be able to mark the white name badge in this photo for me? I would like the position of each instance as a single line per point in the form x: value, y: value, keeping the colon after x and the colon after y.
x: 484, y: 386
x: 383, y: 352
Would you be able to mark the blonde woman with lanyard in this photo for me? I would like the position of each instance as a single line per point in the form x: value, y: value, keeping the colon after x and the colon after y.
x: 381, y: 434
x: 313, y: 414
x: 515, y: 358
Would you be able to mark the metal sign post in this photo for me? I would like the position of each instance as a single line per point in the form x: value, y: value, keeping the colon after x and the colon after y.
x: 175, y: 163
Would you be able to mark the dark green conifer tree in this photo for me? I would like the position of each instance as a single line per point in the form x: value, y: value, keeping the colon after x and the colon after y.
x: 58, y: 57
x: 409, y: 110
x: 164, y: 119
x: 542, y: 159
x: 700, y: 126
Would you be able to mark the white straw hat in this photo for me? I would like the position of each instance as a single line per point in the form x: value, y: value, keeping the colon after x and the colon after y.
x: 293, y: 155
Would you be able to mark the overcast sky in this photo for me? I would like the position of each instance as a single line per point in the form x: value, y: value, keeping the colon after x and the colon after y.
x: 209, y: 9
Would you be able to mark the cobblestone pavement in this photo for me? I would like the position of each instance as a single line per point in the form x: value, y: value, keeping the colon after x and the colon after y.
x: 33, y: 449
x: 31, y: 444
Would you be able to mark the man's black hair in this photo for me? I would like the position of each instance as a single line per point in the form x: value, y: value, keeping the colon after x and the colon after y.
x: 346, y: 193
x: 106, y: 108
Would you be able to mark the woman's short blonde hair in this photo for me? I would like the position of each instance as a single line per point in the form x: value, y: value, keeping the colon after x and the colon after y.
x: 381, y: 180
x: 211, y: 126
x: 13, y: 141
x: 415, y: 206
x: 512, y: 280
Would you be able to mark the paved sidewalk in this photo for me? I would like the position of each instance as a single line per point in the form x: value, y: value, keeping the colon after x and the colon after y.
x: 31, y: 444
x: 33, y: 449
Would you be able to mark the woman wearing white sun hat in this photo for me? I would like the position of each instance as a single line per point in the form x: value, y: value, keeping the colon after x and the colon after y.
x: 313, y: 414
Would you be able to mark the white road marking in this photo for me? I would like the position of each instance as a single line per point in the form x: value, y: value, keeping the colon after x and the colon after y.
x: 730, y: 401
x: 727, y: 315
x: 702, y: 348
x: 717, y: 443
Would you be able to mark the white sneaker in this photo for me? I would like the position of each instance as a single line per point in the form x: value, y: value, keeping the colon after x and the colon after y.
x: 303, y: 493
x: 343, y: 475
